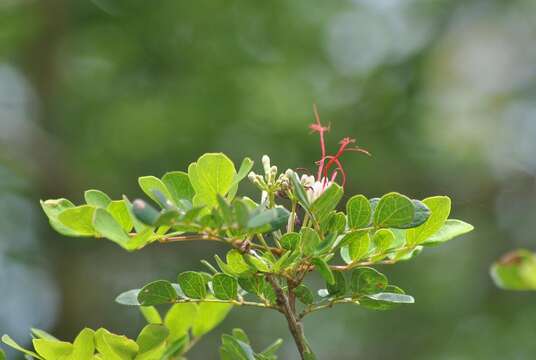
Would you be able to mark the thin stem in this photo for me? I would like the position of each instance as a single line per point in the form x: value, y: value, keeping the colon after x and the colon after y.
x: 361, y: 263
x: 234, y: 302
x: 294, y: 324
x: 190, y: 238
x: 292, y: 217
x: 327, y: 305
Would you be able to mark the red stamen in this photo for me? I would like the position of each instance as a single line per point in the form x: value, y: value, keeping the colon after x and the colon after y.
x: 317, y: 127
x: 323, y: 167
x: 339, y: 167
x: 344, y: 143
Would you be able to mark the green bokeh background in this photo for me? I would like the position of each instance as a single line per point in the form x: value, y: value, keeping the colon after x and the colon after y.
x: 94, y: 94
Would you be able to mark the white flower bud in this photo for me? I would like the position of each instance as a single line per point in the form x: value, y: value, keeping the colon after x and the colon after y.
x: 266, y: 165
x: 252, y: 176
x: 289, y: 173
x: 273, y: 173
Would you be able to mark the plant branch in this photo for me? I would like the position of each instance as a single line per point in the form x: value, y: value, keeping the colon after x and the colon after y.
x: 327, y: 305
x: 234, y: 302
x: 294, y: 324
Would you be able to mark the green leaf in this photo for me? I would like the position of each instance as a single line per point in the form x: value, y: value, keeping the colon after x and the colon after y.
x: 52, y: 349
x: 357, y: 244
x: 97, y: 198
x: 236, y: 263
x: 241, y: 335
x: 42, y: 334
x: 150, y: 185
x: 211, y: 175
x: 151, y: 314
x: 209, y: 315
x: 326, y: 202
x: 243, y: 171
x: 336, y: 223
x: 10, y: 342
x: 421, y: 214
x: 358, y: 211
x: 515, y: 271
x: 338, y: 288
x: 272, y: 219
x: 192, y: 284
x: 271, y: 350
x: 394, y: 210
x: 179, y: 319
x: 108, y: 227
x: 440, y: 210
x: 175, y: 348
x: 129, y: 298
x: 309, y: 241
x: 304, y: 294
x: 392, y: 297
x: 324, y: 270
x: 366, y: 281
x: 152, y: 342
x: 119, y: 210
x: 223, y: 266
x: 115, y: 347
x: 299, y: 191
x: 226, y: 210
x: 258, y: 263
x: 252, y: 284
x: 52, y: 208
x: 2, y: 355
x: 383, y: 240
x: 290, y: 241
x: 179, y: 187
x: 83, y: 345
x: 234, y: 349
x: 241, y: 211
x: 452, y: 228
x: 140, y: 240
x: 157, y: 292
x: 225, y: 287
x: 78, y: 219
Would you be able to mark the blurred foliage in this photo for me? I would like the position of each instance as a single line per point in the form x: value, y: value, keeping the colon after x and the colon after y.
x: 96, y: 93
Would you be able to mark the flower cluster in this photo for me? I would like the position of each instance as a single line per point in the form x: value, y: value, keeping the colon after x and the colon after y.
x: 329, y: 167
